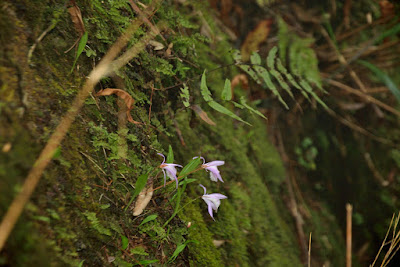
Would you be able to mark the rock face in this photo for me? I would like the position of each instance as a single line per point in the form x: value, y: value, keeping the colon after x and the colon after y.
x: 77, y: 213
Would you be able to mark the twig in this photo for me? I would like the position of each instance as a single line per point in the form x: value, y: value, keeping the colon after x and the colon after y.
x: 349, y: 211
x: 309, y: 251
x: 384, y: 241
x: 101, y: 70
x: 342, y: 60
x: 359, y: 129
x: 374, y: 171
x: 364, y: 96
x: 346, y: 13
x: 292, y: 199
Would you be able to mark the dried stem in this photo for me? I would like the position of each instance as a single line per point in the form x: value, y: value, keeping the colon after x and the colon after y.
x: 349, y: 211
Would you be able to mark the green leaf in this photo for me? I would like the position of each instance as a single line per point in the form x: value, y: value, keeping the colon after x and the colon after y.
x: 179, y: 249
x: 81, y: 263
x: 81, y: 47
x: 104, y: 206
x: 204, y: 89
x: 263, y: 73
x: 225, y: 111
x: 227, y: 92
x: 309, y: 90
x: 255, y: 58
x: 276, y: 74
x: 243, y: 102
x: 392, y: 31
x: 185, y: 95
x: 191, y: 166
x: 246, y: 68
x: 290, y: 78
x: 187, y: 181
x: 383, y: 77
x: 149, y: 218
x: 139, y: 250
x: 140, y: 184
x: 124, y: 242
x: 170, y: 156
x: 147, y: 262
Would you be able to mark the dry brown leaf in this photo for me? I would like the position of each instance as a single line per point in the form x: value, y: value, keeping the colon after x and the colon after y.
x: 124, y: 96
x: 76, y: 17
x: 255, y: 38
x: 169, y: 50
x: 218, y: 243
x: 387, y: 9
x: 240, y: 79
x: 7, y: 147
x: 143, y: 199
x: 156, y: 45
x: 202, y: 114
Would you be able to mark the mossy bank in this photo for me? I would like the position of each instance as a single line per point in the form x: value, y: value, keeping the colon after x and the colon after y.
x: 77, y: 214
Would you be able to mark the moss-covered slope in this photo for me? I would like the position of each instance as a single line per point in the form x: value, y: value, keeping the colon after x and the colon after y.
x: 77, y: 213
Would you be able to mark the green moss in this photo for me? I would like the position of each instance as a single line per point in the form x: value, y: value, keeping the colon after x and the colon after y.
x: 79, y: 205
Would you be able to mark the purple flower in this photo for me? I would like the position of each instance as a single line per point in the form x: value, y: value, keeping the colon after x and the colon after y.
x: 213, y: 201
x: 169, y: 169
x: 212, y: 168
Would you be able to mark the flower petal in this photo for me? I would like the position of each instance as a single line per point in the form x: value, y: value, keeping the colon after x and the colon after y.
x: 205, y: 189
x: 218, y: 196
x: 213, y: 177
x: 215, y: 163
x: 215, y: 173
x: 210, y: 212
x: 162, y: 156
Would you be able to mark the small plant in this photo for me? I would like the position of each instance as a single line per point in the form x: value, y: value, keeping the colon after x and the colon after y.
x: 306, y: 154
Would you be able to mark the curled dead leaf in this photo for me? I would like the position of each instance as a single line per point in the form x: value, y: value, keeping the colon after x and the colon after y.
x: 76, y: 17
x: 255, y: 38
x: 169, y: 50
x: 240, y: 79
x: 7, y: 147
x: 156, y: 45
x: 143, y: 199
x: 202, y: 114
x: 129, y: 101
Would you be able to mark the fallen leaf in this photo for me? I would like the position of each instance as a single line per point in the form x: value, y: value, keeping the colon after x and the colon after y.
x: 218, y: 243
x: 202, y: 114
x: 143, y: 199
x: 156, y: 45
x: 255, y: 38
x: 169, y: 50
x: 240, y: 79
x: 76, y: 17
x: 387, y: 9
x: 7, y: 147
x: 124, y: 96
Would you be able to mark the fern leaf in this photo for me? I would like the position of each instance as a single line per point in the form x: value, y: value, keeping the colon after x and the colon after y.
x: 227, y: 92
x: 255, y: 58
x: 290, y: 78
x: 185, y: 95
x: 276, y: 74
x: 204, y: 89
x: 309, y: 90
x: 246, y: 68
x: 218, y: 107
x: 263, y: 73
x: 243, y: 102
